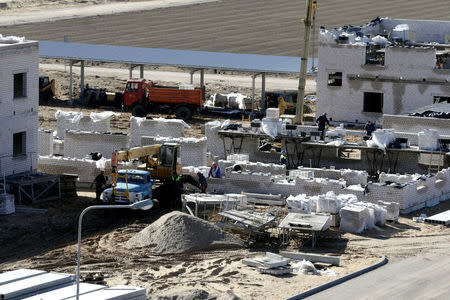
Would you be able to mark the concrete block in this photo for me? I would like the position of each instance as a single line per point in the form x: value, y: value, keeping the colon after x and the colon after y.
x: 193, y: 151
x: 140, y: 127
x: 354, y: 219
x: 7, y: 205
x: 81, y: 143
x: 76, y: 121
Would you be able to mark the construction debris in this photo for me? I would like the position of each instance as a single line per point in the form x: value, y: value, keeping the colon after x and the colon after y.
x: 442, y: 218
x: 312, y: 257
x: 270, y: 264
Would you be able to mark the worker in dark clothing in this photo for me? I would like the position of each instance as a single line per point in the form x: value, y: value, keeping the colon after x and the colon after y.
x: 100, y: 182
x: 176, y: 190
x: 369, y: 128
x: 214, y: 171
x: 203, y: 182
x: 321, y: 122
x: 283, y: 157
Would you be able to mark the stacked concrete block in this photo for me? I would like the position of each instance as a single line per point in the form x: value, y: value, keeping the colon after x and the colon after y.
x: 392, y: 210
x: 7, y: 205
x: 140, y: 127
x: 45, y: 142
x: 78, y: 144
x: 193, y: 151
x: 273, y: 113
x: 354, y: 219
x: 86, y: 169
x: 76, y: 121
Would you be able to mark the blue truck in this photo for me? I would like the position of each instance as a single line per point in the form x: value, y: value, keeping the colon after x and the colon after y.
x: 131, y: 186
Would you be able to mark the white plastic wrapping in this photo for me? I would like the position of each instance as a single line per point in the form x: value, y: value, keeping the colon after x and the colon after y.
x: 382, y: 138
x: 271, y: 127
x: 72, y: 116
x: 97, y: 117
x: 354, y: 219
x: 428, y: 139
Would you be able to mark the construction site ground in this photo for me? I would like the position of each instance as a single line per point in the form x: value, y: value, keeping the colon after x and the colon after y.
x: 47, y: 241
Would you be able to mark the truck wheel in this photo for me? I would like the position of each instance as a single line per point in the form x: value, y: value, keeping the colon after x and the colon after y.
x: 183, y: 112
x: 139, y: 111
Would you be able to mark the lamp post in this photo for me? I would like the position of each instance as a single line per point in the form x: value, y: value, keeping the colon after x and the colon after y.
x: 143, y: 205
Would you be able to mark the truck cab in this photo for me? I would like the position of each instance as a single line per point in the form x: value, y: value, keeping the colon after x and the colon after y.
x: 131, y: 186
x: 144, y: 96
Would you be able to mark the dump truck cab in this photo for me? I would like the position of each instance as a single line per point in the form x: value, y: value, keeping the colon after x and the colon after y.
x: 130, y: 186
x: 143, y: 96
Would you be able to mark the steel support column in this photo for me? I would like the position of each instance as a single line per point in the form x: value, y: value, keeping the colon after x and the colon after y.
x: 70, y: 83
x: 253, y: 94
x: 131, y: 71
x: 82, y: 79
x: 141, y: 71
x: 202, y: 83
x: 262, y: 108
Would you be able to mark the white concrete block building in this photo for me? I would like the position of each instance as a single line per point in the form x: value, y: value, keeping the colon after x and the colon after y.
x: 19, y: 100
x: 388, y: 66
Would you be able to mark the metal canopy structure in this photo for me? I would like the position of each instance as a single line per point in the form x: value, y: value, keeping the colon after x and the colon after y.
x: 194, y: 60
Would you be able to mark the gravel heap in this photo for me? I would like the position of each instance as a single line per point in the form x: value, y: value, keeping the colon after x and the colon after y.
x: 177, y: 232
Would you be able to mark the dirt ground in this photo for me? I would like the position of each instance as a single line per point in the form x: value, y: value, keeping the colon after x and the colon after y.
x: 48, y: 241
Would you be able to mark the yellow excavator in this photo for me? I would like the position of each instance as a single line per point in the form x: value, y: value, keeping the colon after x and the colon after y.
x: 160, y: 163
x: 46, y: 88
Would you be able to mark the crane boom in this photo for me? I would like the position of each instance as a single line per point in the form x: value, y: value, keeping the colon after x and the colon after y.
x: 311, y: 5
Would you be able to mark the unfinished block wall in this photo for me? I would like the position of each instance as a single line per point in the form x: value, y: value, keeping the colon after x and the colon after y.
x: 193, y: 151
x: 45, y: 145
x: 411, y: 124
x: 237, y: 182
x: 274, y: 169
x: 140, y: 127
x: 85, y: 124
x: 81, y: 143
x: 19, y: 114
x: 350, y: 176
x: 214, y: 143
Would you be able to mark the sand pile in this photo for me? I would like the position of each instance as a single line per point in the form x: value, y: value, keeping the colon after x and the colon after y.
x: 177, y: 232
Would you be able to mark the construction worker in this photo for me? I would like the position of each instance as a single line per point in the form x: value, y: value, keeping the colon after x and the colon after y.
x: 283, y: 157
x: 321, y: 121
x: 369, y: 128
x: 203, y: 182
x: 100, y: 182
x: 214, y: 172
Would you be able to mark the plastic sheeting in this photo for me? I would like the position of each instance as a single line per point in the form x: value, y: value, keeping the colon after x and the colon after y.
x: 428, y: 139
x: 381, y: 138
x: 11, y: 39
x: 140, y: 120
x: 97, y: 117
x: 72, y: 116
x: 271, y: 127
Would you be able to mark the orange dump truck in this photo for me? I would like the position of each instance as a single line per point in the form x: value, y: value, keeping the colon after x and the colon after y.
x: 142, y: 97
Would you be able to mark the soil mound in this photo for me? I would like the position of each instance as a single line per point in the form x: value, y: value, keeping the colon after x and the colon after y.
x: 177, y: 232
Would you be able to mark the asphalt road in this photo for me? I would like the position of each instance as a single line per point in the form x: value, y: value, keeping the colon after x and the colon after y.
x: 420, y: 277
x: 251, y: 26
